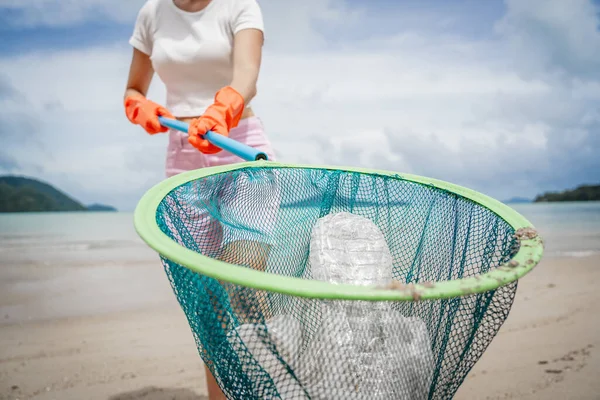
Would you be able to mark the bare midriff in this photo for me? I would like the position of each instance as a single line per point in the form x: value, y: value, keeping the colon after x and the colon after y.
x: 246, y: 114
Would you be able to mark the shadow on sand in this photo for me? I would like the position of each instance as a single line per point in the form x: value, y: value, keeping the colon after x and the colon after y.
x: 156, y: 393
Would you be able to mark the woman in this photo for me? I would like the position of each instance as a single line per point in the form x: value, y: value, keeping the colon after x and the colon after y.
x: 208, y: 54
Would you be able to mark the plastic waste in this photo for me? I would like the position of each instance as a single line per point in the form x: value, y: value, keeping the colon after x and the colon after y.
x: 362, y: 349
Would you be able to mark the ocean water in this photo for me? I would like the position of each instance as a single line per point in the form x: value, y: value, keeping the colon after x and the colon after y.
x: 568, y: 229
x: 93, y: 237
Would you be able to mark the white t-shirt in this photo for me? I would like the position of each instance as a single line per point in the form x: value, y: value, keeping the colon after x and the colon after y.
x: 191, y: 52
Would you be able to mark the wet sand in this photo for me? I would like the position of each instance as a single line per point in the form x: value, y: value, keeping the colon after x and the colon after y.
x: 85, y: 336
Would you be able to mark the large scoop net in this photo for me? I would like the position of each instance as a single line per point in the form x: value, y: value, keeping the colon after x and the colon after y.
x: 433, y: 277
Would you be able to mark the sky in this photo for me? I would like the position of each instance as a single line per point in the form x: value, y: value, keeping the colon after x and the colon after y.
x: 500, y: 96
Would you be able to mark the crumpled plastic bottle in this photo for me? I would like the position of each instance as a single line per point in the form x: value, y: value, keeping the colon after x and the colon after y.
x: 363, y: 349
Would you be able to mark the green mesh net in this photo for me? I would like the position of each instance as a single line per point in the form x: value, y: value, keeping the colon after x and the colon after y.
x: 267, y: 345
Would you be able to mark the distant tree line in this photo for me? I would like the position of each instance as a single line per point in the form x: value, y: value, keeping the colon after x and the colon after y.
x: 581, y: 193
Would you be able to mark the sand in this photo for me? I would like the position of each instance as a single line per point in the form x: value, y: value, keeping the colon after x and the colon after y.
x: 85, y: 341
x: 549, y: 346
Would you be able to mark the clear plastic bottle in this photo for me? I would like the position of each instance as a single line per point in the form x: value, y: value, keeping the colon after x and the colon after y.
x: 363, y: 349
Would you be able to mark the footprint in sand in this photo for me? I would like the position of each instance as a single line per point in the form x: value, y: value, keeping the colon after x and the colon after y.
x: 567, y: 361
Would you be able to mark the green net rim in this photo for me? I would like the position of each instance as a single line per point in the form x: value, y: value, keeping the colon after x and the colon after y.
x: 527, y: 257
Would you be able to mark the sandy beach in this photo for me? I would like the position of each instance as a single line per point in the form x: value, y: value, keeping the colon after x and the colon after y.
x: 142, y: 352
x: 549, y: 348
x: 86, y: 312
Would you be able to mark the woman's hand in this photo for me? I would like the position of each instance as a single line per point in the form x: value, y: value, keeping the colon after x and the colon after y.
x: 144, y: 112
x: 138, y: 109
x: 225, y: 113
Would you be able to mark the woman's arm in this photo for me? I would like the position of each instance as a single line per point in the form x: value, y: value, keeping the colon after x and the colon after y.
x: 228, y: 107
x: 138, y: 109
x: 247, y: 55
x: 140, y: 74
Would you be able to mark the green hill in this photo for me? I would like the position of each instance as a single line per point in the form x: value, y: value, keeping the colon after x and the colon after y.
x: 581, y: 193
x: 21, y: 194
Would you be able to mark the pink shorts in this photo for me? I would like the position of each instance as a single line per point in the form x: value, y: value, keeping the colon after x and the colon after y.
x: 182, y: 156
x: 248, y: 207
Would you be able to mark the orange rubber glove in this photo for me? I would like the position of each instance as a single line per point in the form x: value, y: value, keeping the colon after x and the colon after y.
x: 223, y: 115
x: 143, y: 112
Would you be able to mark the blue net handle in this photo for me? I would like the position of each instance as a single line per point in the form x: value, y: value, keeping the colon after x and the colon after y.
x: 233, y: 146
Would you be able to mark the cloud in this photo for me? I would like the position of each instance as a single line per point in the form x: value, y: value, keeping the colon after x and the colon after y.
x: 66, y: 119
x: 553, y: 37
x: 16, y: 127
x: 490, y: 114
x: 512, y: 112
x: 35, y: 13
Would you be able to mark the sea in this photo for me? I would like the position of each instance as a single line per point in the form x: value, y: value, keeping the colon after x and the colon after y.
x: 569, y: 229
